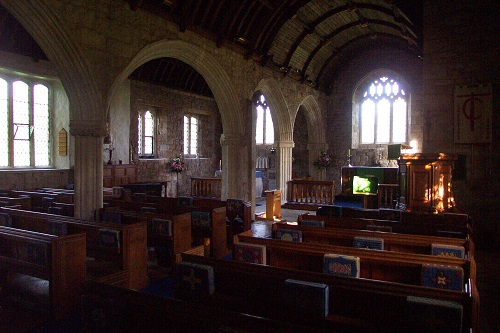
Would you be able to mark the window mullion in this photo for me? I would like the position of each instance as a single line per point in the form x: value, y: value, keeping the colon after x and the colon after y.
x: 375, y: 122
x: 10, y: 106
x: 31, y: 107
x: 391, y: 117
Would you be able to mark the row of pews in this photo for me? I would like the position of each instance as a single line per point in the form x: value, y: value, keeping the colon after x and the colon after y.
x: 275, y: 278
x: 45, y: 258
x: 225, y: 295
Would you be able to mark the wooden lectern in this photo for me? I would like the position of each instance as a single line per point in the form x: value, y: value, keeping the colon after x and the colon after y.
x: 273, y: 204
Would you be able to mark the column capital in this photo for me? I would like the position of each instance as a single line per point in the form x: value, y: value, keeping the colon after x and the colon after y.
x: 284, y: 144
x: 231, y: 139
x: 95, y: 128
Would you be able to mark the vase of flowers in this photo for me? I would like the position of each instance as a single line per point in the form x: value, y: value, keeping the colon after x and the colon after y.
x: 324, y: 161
x: 176, y: 165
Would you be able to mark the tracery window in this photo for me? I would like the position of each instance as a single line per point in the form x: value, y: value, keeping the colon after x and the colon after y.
x: 383, y: 113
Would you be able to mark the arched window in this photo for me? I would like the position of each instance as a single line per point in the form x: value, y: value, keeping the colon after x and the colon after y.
x: 383, y: 112
x: 264, y: 128
x: 191, y: 127
x: 25, y: 118
x: 146, y: 130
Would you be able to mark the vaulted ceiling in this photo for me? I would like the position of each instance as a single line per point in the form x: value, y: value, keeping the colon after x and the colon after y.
x: 304, y: 39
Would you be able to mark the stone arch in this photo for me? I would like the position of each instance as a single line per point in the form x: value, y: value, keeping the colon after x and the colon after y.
x: 283, y: 131
x: 87, y: 103
x: 86, y: 100
x: 233, y: 124
x: 213, y: 73
x: 316, y: 133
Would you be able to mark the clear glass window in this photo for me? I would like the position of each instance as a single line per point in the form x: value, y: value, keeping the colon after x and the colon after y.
x: 25, y: 116
x: 383, y: 113
x: 191, y: 128
x: 264, y: 133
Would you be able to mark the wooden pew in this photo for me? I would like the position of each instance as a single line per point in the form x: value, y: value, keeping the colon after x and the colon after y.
x: 131, y: 254
x: 393, y: 241
x: 376, y: 265
x: 21, y: 202
x: 427, y: 224
x: 219, y: 232
x: 356, y: 305
x: 215, y: 231
x: 172, y: 240
x: 125, y: 310
x: 29, y: 258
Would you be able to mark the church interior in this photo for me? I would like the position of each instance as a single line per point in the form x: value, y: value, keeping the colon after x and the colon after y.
x: 249, y: 166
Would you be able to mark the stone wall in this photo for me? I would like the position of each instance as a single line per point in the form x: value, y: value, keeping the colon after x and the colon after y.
x: 339, y: 115
x: 170, y: 106
x: 461, y: 48
x: 30, y: 179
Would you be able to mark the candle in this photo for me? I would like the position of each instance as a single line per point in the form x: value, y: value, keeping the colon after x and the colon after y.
x: 220, y: 164
x: 348, y: 152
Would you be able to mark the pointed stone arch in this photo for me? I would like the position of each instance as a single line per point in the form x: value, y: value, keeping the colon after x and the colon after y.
x: 316, y: 133
x: 283, y: 131
x: 86, y: 100
x: 87, y: 103
x: 213, y: 73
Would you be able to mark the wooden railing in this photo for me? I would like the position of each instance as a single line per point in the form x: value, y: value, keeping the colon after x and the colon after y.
x: 387, y: 193
x: 312, y: 191
x: 206, y: 187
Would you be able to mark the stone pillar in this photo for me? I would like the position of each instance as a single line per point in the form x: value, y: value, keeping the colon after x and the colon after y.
x: 283, y: 167
x: 315, y: 150
x: 88, y: 169
x: 237, y: 178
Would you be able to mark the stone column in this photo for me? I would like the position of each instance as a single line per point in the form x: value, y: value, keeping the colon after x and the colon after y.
x: 88, y: 168
x: 283, y: 167
x: 237, y: 178
x: 315, y: 150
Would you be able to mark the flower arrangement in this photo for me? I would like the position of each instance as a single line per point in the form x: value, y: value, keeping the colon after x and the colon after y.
x: 323, y: 161
x: 176, y: 165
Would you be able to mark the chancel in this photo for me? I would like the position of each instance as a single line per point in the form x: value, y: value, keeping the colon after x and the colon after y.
x: 194, y: 166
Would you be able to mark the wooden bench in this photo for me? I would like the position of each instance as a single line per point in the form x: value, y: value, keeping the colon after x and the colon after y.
x: 21, y: 202
x: 43, y: 270
x: 169, y: 234
x: 356, y: 305
x: 447, y: 225
x: 130, y: 253
x: 235, y: 209
x: 376, y: 265
x: 401, y: 242
x: 125, y: 310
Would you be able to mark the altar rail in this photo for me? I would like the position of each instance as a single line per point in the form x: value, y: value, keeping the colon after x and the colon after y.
x: 320, y: 192
x: 206, y: 187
